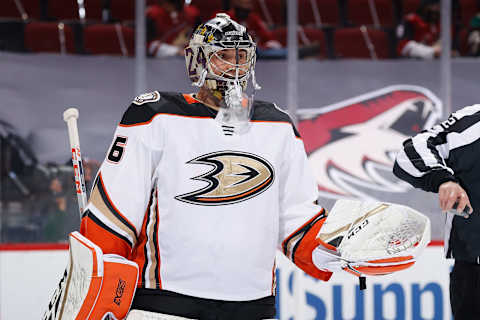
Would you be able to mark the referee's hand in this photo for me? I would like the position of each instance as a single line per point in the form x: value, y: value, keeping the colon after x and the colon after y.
x: 451, y: 192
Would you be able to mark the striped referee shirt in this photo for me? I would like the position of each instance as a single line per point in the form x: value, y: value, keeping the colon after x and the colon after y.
x: 449, y: 151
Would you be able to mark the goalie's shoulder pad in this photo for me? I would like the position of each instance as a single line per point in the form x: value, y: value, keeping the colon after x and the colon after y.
x: 94, y: 285
x: 270, y: 112
x: 146, y: 106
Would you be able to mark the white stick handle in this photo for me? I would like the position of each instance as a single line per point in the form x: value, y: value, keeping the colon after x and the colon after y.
x: 70, y: 116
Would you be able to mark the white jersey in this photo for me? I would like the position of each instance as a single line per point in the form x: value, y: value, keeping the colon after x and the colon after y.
x: 200, y: 208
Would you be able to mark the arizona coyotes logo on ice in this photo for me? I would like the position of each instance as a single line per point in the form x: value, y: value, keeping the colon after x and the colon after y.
x: 352, y: 145
x: 236, y: 176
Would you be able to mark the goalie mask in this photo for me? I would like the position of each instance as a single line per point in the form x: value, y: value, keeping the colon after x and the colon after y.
x: 221, y: 56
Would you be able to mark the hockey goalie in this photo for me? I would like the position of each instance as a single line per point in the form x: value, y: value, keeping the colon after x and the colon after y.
x: 198, y: 191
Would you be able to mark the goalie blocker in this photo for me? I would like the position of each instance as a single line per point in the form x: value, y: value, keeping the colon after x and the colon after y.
x: 94, y: 286
x: 362, y: 238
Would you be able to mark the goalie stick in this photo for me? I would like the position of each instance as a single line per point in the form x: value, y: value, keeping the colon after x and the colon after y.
x: 94, y: 286
x: 70, y: 116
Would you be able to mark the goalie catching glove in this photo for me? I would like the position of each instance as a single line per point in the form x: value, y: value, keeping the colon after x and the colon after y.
x: 94, y: 286
x: 362, y: 238
x: 370, y: 238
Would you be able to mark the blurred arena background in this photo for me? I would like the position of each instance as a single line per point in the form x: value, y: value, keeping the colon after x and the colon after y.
x: 340, y: 67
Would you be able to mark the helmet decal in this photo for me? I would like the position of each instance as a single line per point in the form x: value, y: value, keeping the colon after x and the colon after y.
x: 207, y: 41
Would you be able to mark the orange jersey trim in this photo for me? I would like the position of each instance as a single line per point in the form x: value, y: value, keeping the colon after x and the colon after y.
x: 396, y: 259
x: 381, y: 270
x: 189, y: 98
x: 108, y: 242
x: 302, y: 226
x: 302, y: 254
x: 158, y: 114
x: 138, y: 254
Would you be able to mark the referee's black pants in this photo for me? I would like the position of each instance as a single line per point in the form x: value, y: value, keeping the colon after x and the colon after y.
x: 465, y: 290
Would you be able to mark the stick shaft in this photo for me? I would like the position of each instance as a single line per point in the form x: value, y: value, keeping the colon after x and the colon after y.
x: 73, y: 136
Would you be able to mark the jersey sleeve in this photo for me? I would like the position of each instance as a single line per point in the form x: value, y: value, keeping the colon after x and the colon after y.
x: 124, y: 183
x: 422, y: 161
x: 300, y: 215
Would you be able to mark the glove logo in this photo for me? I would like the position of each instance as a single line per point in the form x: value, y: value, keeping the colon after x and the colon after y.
x: 235, y: 177
x: 119, y: 291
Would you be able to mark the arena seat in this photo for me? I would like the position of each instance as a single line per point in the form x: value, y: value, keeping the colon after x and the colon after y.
x: 63, y: 9
x: 93, y: 9
x: 359, y: 12
x: 273, y: 12
x: 110, y: 39
x: 306, y: 36
x: 68, y: 9
x: 47, y: 37
x: 208, y: 8
x: 468, y: 9
x: 122, y: 10
x: 409, y: 6
x: 8, y: 9
x: 318, y: 12
x: 353, y: 43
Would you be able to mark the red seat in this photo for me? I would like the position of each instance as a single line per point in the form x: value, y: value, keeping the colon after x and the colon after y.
x: 306, y: 36
x: 463, y: 42
x: 113, y: 39
x: 93, y: 9
x: 122, y: 10
x: 63, y: 9
x: 272, y: 11
x: 409, y: 6
x: 468, y: 9
x: 316, y: 12
x: 360, y: 12
x: 353, y: 43
x: 46, y: 37
x: 8, y: 9
x: 68, y: 9
x: 208, y: 8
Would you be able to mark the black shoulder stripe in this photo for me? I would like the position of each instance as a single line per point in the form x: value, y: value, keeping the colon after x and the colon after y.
x: 102, y: 225
x: 169, y: 103
x: 295, y: 131
x: 111, y: 207
x: 137, y: 114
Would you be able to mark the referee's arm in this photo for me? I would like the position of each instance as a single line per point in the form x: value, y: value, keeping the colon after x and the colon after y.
x: 422, y: 160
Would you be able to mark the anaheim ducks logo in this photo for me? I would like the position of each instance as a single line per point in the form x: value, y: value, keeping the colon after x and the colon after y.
x: 147, y: 97
x: 236, y: 176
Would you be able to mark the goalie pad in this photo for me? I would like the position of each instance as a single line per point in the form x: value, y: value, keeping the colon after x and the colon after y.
x: 94, y: 286
x: 371, y: 238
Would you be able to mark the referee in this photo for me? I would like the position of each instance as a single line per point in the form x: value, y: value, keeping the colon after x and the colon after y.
x: 446, y: 160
